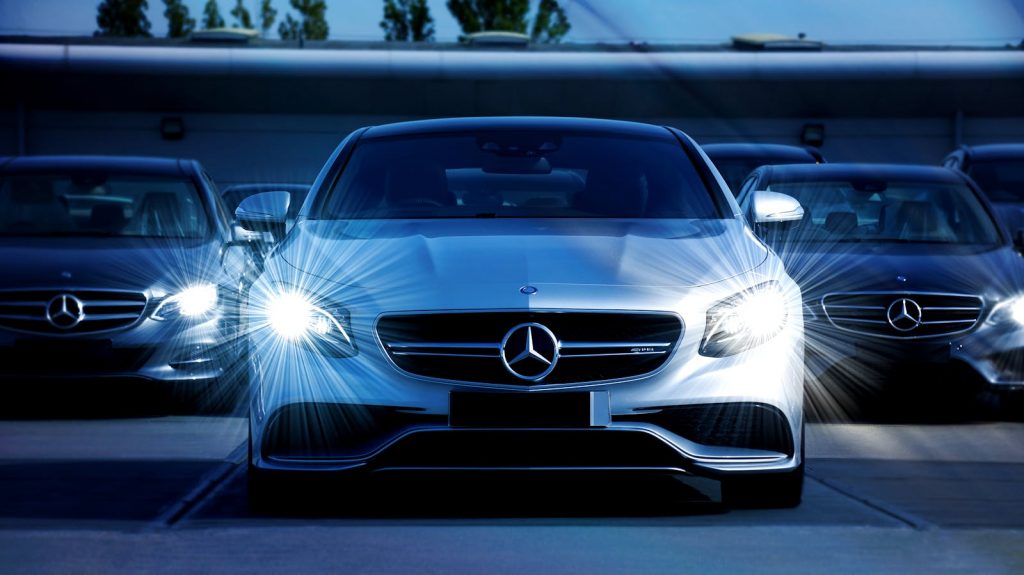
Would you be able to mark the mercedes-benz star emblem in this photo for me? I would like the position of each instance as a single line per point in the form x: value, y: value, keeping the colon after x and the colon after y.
x: 529, y: 351
x: 64, y: 311
x: 904, y: 314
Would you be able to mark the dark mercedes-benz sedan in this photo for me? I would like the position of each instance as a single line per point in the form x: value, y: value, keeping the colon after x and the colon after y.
x: 115, y: 273
x: 905, y: 272
x: 998, y: 169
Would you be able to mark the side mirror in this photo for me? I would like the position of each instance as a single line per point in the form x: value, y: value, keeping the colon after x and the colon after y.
x: 265, y: 212
x: 773, y: 208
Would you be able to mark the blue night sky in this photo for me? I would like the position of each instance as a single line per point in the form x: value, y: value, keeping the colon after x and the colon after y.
x: 964, y: 22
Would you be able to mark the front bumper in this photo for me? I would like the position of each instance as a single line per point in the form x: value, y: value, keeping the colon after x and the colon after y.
x: 398, y: 422
x: 171, y: 351
x: 994, y: 354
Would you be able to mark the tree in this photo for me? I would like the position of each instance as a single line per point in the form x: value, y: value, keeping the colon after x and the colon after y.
x: 550, y: 23
x: 242, y: 17
x: 267, y: 16
x: 211, y: 15
x: 313, y: 23
x: 122, y: 18
x: 406, y: 20
x: 179, y: 24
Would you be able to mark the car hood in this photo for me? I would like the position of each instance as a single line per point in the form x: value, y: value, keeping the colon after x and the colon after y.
x: 476, y: 252
x: 991, y: 273
x: 112, y: 263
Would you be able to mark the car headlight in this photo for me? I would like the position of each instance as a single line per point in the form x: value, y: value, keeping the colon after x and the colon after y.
x: 193, y: 302
x: 295, y: 318
x: 1010, y: 311
x: 744, y: 321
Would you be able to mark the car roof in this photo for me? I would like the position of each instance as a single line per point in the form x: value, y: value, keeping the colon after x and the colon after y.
x: 994, y: 151
x: 756, y: 150
x: 445, y: 125
x: 128, y: 164
x: 892, y: 172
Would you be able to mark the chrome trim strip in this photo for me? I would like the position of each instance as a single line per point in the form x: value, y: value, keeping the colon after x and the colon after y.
x: 601, y: 344
x: 444, y: 345
x: 440, y: 354
x: 611, y: 354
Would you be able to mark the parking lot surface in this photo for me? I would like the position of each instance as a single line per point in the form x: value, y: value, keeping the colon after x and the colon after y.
x: 167, y: 494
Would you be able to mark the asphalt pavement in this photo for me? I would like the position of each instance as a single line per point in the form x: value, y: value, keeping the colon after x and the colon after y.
x: 163, y: 494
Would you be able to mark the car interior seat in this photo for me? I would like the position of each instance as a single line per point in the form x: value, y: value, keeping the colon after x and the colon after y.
x: 107, y: 218
x: 921, y: 221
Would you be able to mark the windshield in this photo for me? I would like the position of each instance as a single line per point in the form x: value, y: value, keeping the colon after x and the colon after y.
x: 98, y: 204
x: 519, y: 175
x: 1001, y: 179
x: 888, y: 212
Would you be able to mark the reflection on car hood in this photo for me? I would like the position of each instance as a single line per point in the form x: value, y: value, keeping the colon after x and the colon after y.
x: 111, y: 263
x: 991, y: 273
x: 390, y: 254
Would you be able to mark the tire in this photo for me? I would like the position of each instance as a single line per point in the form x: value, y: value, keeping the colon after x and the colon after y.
x: 764, y: 490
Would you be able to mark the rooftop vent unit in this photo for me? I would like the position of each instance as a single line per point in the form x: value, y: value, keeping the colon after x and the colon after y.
x: 498, y: 38
x: 775, y: 42
x: 225, y: 35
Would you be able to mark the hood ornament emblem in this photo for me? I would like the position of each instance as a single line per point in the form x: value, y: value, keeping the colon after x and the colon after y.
x: 904, y: 315
x: 65, y: 311
x: 529, y: 351
x: 527, y: 290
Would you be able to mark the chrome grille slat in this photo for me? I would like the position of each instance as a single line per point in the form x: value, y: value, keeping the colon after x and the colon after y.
x: 108, y: 316
x: 102, y: 310
x: 941, y: 314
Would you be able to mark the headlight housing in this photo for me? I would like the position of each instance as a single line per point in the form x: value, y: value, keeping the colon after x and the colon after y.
x: 745, y: 320
x: 194, y: 302
x: 296, y: 318
x: 1010, y: 311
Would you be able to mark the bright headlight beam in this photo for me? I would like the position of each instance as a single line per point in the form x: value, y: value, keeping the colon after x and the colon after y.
x: 761, y: 314
x: 290, y: 315
x: 293, y: 316
x: 744, y: 321
x: 197, y: 300
x: 192, y: 302
x: 1017, y: 310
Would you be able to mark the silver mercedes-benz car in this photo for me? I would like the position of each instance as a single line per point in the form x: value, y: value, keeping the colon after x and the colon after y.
x: 524, y: 294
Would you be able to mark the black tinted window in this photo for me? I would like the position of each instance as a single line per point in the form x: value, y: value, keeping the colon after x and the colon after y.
x: 519, y: 175
x: 1002, y: 180
x: 101, y: 204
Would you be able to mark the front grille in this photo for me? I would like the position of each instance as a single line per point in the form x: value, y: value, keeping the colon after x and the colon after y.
x: 101, y: 310
x: 591, y: 346
x: 930, y: 314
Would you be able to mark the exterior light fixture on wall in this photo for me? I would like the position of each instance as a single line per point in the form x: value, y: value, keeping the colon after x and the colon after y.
x: 172, y: 128
x: 813, y: 135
